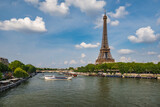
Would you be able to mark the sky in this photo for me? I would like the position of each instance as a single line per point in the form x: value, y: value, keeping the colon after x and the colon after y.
x: 68, y: 33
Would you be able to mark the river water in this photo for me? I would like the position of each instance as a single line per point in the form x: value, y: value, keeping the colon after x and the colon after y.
x: 83, y: 91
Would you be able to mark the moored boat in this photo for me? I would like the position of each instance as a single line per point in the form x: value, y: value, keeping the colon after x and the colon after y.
x: 52, y: 77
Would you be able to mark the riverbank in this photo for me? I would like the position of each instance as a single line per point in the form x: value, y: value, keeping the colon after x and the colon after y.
x: 101, y: 74
x: 11, y: 83
x: 125, y: 75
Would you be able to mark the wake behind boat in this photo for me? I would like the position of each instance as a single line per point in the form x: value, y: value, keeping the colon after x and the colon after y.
x: 52, y: 77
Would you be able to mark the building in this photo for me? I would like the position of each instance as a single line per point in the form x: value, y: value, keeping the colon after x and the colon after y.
x: 4, y: 61
x: 105, y: 54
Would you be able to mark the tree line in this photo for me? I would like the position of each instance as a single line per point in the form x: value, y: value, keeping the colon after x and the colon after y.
x: 130, y: 67
x: 16, y: 69
x: 46, y: 68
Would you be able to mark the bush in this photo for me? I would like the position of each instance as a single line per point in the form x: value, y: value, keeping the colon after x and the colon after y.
x: 20, y: 73
x: 1, y: 76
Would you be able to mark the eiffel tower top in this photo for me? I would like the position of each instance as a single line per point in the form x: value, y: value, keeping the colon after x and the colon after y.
x: 104, y: 44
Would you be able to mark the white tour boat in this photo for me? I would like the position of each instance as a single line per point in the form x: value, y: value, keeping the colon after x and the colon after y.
x: 52, y: 77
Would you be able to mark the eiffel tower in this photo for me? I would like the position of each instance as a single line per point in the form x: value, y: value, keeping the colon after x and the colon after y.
x: 105, y: 54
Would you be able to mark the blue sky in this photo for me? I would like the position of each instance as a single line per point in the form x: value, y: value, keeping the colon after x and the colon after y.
x: 64, y: 33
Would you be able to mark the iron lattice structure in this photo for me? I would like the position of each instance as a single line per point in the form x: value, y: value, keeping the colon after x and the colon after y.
x: 105, y: 54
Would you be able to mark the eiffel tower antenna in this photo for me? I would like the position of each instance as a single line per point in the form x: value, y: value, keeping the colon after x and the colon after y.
x: 105, y: 12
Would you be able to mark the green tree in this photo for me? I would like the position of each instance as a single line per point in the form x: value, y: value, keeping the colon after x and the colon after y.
x: 138, y: 67
x: 123, y: 67
x: 90, y: 67
x: 30, y: 68
x: 97, y: 67
x: 20, y: 73
x: 110, y: 67
x: 15, y: 64
x: 3, y: 67
x: 149, y: 66
x: 1, y: 75
x: 155, y: 69
x: 158, y: 67
x: 104, y: 67
x: 71, y: 68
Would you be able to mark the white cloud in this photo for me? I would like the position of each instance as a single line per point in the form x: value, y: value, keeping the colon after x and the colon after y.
x: 83, y: 55
x: 124, y: 59
x: 127, y: 4
x: 158, y: 56
x: 34, y: 2
x: 82, y: 62
x: 151, y: 53
x: 144, y: 35
x: 87, y: 6
x: 51, y: 6
x: 99, y: 22
x: 125, y: 51
x: 72, y: 62
x: 24, y: 25
x: 155, y: 62
x: 114, y: 23
x: 117, y: 1
x: 84, y: 45
x: 90, y: 62
x: 111, y: 47
x: 65, y: 62
x: 158, y: 21
x: 120, y: 12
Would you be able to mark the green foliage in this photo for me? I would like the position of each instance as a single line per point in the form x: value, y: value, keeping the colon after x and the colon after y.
x: 15, y: 64
x: 122, y: 68
x: 81, y: 69
x: 90, y: 67
x: 149, y: 66
x: 155, y: 69
x: 20, y: 73
x: 110, y: 67
x: 1, y: 75
x: 3, y: 67
x: 46, y: 68
x: 104, y: 67
x: 97, y: 67
x: 30, y: 68
x: 137, y: 67
x: 71, y: 68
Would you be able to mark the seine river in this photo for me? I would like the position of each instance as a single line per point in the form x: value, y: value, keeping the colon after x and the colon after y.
x: 83, y: 91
